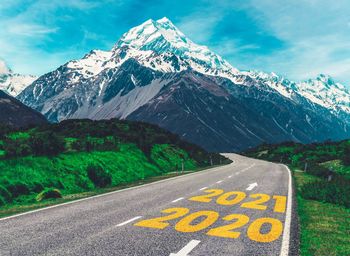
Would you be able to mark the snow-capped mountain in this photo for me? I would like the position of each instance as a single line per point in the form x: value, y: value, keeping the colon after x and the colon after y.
x: 13, y: 83
x: 154, y: 73
x: 322, y: 90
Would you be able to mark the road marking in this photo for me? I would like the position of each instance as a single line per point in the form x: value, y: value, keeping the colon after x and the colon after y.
x: 176, y: 200
x: 203, y: 188
x: 286, y: 231
x: 128, y: 221
x: 251, y: 186
x: 187, y: 249
x: 218, y: 182
x: 230, y: 176
x: 113, y: 192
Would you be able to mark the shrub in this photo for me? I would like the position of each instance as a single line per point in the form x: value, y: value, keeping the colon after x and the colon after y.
x: 336, y: 191
x: 36, y: 187
x: 346, y: 157
x: 5, y: 194
x: 99, y: 176
x: 46, y: 143
x: 18, y: 188
x: 318, y: 170
x: 48, y: 193
x: 2, y: 201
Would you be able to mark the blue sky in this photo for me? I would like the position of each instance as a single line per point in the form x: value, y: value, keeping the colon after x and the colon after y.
x: 297, y: 38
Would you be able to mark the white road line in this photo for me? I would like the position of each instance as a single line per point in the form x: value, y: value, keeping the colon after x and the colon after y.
x: 251, y: 186
x: 113, y: 192
x: 128, y: 221
x: 218, y: 182
x: 286, y: 231
x: 187, y: 249
x: 177, y: 200
x: 230, y: 176
x: 203, y: 188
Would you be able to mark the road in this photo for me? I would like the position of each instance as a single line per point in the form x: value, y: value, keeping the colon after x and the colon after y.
x: 245, y: 208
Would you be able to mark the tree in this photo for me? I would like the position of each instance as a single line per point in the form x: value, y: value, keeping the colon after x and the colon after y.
x: 346, y: 156
x: 46, y: 143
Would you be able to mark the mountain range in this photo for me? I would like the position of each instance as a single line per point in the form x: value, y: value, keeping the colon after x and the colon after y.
x: 154, y: 73
x: 13, y: 83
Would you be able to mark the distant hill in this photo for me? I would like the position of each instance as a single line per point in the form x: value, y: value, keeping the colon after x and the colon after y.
x: 14, y: 113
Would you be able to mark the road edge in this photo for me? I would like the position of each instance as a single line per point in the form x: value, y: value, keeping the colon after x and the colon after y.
x: 290, y: 232
x: 109, y: 193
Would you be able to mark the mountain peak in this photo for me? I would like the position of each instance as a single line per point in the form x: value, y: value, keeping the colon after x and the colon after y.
x: 162, y: 36
x: 164, y: 20
x: 153, y: 35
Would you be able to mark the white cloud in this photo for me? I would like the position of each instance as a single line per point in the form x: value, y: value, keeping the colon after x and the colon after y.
x: 30, y: 29
x: 314, y: 32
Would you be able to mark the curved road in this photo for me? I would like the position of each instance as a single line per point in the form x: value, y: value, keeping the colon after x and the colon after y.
x: 245, y: 208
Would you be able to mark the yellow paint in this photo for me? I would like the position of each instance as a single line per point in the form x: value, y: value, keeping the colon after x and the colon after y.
x: 257, y: 204
x: 254, y: 230
x: 226, y: 231
x: 185, y: 224
x: 280, y: 204
x: 207, y: 198
x: 160, y: 222
x: 224, y: 199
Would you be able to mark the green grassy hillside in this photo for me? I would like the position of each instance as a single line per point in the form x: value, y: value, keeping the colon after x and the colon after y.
x: 321, y: 173
x: 82, y: 155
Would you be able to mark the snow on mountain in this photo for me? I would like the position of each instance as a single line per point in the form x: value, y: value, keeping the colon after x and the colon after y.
x: 322, y: 90
x: 13, y: 83
x: 162, y: 37
x: 91, y: 64
x: 325, y: 92
x: 154, y: 73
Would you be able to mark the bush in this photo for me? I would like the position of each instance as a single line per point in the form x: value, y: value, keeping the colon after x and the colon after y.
x: 346, y: 156
x: 48, y: 193
x: 18, y: 188
x: 46, y: 143
x: 2, y: 201
x: 5, y: 194
x: 99, y: 176
x: 318, y: 170
x: 336, y: 191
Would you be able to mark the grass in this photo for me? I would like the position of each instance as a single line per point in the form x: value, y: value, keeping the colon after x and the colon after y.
x: 325, y: 228
x: 323, y: 204
x: 80, y: 157
x: 29, y: 205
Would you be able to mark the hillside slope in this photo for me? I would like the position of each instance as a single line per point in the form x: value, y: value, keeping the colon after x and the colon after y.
x: 83, y: 155
x: 14, y: 113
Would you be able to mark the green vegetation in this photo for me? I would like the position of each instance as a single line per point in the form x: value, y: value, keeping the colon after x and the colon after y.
x: 77, y: 156
x: 322, y: 192
x: 325, y: 227
x: 48, y: 193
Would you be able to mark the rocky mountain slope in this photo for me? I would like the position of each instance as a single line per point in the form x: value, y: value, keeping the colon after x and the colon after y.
x: 13, y: 83
x: 156, y: 74
x: 14, y: 113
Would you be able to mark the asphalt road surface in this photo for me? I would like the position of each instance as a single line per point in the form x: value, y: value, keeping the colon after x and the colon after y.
x: 245, y: 208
